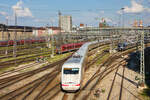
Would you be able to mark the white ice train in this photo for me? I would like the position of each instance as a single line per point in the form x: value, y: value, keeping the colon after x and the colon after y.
x: 73, y: 69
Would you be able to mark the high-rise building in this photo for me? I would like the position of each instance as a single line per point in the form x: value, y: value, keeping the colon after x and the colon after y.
x: 65, y: 23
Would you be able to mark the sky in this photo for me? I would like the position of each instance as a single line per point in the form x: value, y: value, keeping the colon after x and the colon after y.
x: 90, y: 12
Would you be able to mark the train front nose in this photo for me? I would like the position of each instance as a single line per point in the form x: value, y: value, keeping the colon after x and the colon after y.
x: 70, y: 87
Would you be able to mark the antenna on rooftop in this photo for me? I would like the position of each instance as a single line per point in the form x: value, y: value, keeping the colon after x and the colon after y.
x: 59, y: 15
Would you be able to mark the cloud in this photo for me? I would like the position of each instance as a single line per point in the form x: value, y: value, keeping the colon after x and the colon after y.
x: 21, y: 11
x: 108, y: 20
x: 3, y: 13
x: 102, y: 12
x: 41, y: 20
x: 135, y: 8
x: 119, y: 12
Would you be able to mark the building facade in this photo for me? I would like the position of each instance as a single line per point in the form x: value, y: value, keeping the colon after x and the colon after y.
x: 15, y: 32
x: 65, y: 22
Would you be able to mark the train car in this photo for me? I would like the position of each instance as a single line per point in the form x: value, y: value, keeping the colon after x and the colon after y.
x: 68, y: 47
x: 3, y: 43
x: 73, y: 69
x: 10, y: 42
x: 124, y: 46
x: 21, y: 42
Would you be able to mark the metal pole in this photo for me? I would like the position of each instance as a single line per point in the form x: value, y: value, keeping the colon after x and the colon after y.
x: 142, y: 63
x: 122, y: 17
x: 137, y: 40
x: 48, y: 38
x: 2, y: 32
x: 86, y: 32
x: 24, y: 35
x: 52, y: 42
x: 15, y: 36
x: 6, y: 52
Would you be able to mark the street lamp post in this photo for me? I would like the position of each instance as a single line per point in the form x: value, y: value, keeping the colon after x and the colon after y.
x: 122, y: 17
x: 122, y: 9
x: 8, y: 38
x: 3, y: 31
x: 52, y: 43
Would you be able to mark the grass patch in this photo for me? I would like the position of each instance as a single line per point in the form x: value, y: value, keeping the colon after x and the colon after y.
x: 58, y: 57
x: 24, y: 56
x: 98, y: 53
x: 102, y: 59
x: 27, y: 70
x: 48, y: 58
x: 6, y: 69
x: 23, y: 46
x: 103, y: 90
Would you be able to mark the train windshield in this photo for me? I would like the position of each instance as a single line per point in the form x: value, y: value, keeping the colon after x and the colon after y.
x: 71, y: 70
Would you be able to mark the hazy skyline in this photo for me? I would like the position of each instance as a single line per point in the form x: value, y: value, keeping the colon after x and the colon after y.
x: 43, y: 12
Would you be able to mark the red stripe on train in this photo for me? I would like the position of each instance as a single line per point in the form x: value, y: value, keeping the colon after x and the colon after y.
x: 71, y: 85
x: 64, y: 85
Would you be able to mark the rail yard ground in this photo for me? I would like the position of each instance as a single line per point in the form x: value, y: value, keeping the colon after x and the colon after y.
x: 120, y: 84
x: 107, y: 77
x: 74, y: 50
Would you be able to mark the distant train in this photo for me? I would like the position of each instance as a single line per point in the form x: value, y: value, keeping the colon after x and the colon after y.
x: 21, y: 42
x: 73, y: 69
x: 68, y: 47
x: 124, y: 46
x: 75, y: 46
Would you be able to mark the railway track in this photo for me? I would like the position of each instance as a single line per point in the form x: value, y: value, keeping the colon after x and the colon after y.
x: 13, y: 80
x: 29, y: 87
x: 34, y: 71
x: 48, y: 86
x: 109, y: 97
x: 91, y: 84
x: 82, y: 94
x: 26, y: 47
x: 21, y: 60
x: 99, y: 76
x: 18, y: 69
x: 67, y: 96
x: 24, y: 52
x: 51, y: 93
x: 122, y: 81
x: 92, y: 51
